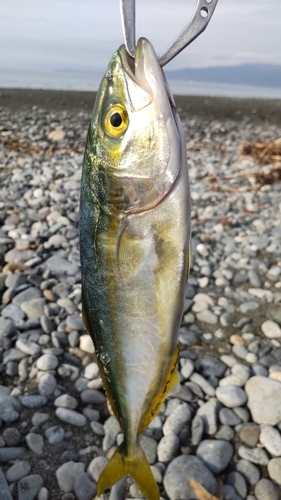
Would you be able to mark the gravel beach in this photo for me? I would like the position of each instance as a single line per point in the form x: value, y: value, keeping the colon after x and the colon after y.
x: 223, y: 427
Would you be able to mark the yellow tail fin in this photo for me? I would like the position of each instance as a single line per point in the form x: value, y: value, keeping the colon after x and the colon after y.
x: 136, y: 466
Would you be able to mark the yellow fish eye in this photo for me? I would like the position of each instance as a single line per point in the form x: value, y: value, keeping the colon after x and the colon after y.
x: 116, y: 121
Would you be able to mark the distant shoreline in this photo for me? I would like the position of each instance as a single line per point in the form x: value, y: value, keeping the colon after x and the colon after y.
x: 256, y: 109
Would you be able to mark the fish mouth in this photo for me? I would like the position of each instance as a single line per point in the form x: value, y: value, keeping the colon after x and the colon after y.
x: 137, y: 68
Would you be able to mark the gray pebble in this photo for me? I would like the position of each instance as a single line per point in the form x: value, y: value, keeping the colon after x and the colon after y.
x: 29, y: 486
x: 11, y: 453
x: 17, y: 471
x: 84, y: 487
x: 35, y: 443
x: 231, y: 396
x: 237, y: 481
x: 197, y: 429
x: 47, y: 384
x: 66, y: 401
x: 4, y: 488
x: 47, y: 362
x: 168, y: 447
x: 181, y: 470
x: 203, y: 383
x: 67, y: 473
x: 225, y: 432
x: 176, y: 419
x: 71, y: 417
x: 149, y: 446
x: 216, y: 454
x: 96, y: 466
x: 266, y: 490
x: 55, y: 434
x: 92, y: 396
x: 33, y: 401
x: 274, y: 469
x: 249, y: 471
x: 28, y: 347
x: 11, y: 436
x: 209, y: 413
x: 255, y: 455
x: 228, y: 417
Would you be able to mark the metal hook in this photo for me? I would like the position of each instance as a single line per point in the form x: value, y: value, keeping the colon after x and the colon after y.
x: 128, y: 18
x: 202, y: 15
x: 203, y: 12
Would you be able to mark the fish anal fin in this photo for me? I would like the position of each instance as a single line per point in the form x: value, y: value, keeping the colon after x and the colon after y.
x: 121, y: 464
x: 170, y: 383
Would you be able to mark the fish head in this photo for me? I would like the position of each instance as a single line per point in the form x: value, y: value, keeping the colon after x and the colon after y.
x: 133, y: 141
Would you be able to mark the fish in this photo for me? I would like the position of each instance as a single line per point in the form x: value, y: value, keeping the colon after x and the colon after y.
x: 134, y: 245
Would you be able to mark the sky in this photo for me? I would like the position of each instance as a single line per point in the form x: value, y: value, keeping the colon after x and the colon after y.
x: 81, y: 35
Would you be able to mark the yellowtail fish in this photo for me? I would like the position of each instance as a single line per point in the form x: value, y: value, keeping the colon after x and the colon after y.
x: 134, y: 237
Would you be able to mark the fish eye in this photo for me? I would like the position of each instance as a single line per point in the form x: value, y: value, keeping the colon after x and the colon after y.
x: 116, y: 121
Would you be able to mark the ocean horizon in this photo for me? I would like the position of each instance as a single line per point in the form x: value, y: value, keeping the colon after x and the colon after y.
x: 69, y: 80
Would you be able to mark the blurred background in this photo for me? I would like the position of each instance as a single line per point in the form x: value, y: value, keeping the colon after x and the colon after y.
x: 67, y: 44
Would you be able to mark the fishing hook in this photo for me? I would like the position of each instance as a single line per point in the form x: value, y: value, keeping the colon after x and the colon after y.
x: 202, y: 15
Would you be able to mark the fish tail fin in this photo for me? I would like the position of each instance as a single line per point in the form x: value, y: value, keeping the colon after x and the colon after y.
x: 136, y: 465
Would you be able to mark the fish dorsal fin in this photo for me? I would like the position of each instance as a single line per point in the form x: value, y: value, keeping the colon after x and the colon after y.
x: 170, y: 382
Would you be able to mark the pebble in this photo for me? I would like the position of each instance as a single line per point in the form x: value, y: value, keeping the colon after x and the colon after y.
x: 249, y: 434
x: 208, y: 412
x: 84, y: 488
x: 181, y: 470
x: 237, y: 481
x: 71, y: 417
x: 4, y: 488
x: 11, y: 453
x: 47, y: 384
x: 47, y: 362
x: 55, y: 434
x: 67, y: 473
x: 96, y: 466
x: 168, y: 447
x: 274, y: 469
x: 249, y: 471
x: 17, y: 471
x: 271, y: 329
x: 270, y: 438
x: 255, y: 455
x: 176, y: 419
x: 66, y: 401
x: 29, y: 486
x: 215, y: 453
x: 33, y: 401
x: 266, y: 490
x: 35, y: 443
x: 231, y: 396
x: 269, y: 392
x: 86, y: 344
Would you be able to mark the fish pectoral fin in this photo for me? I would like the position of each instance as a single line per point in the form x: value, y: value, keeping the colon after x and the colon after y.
x: 136, y: 465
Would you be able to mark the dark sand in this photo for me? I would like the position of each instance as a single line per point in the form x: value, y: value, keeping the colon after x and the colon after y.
x: 258, y: 110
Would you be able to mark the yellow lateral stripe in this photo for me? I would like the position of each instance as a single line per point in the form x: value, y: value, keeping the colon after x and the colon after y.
x: 169, y: 383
